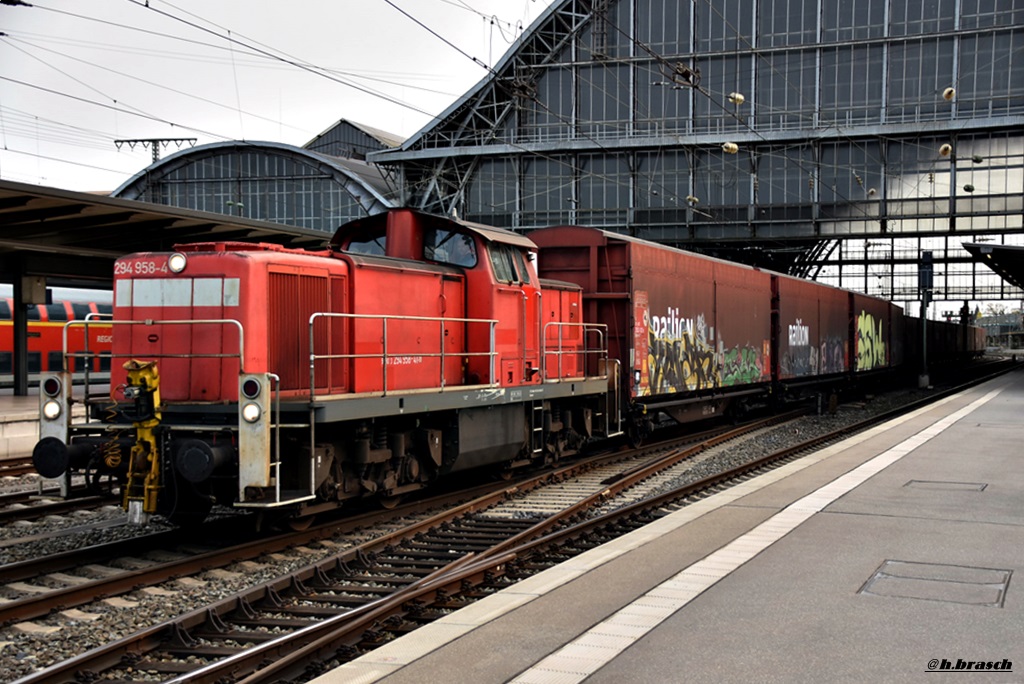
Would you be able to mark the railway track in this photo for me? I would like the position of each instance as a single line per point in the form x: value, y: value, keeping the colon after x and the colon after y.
x: 27, y: 506
x: 16, y: 467
x: 36, y: 587
x: 344, y: 604
x: 590, y: 474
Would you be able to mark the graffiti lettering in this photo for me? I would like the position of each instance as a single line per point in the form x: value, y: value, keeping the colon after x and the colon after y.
x: 742, y: 366
x: 680, y: 356
x: 799, y: 334
x: 871, y: 351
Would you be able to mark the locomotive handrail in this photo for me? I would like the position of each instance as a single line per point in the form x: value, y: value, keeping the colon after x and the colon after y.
x: 150, y: 322
x: 384, y: 356
x: 601, y: 351
x: 147, y: 322
x: 90, y: 317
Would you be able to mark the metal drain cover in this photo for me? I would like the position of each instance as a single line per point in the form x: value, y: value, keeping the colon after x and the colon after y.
x: 936, y: 582
x: 948, y: 486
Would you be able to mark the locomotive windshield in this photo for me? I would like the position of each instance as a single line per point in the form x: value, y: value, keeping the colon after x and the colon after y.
x: 371, y: 244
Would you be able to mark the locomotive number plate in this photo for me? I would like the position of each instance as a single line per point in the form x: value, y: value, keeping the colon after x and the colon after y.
x: 140, y: 267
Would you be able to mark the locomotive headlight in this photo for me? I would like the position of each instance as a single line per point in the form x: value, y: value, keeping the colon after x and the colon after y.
x: 51, y: 410
x: 251, y: 412
x: 176, y: 262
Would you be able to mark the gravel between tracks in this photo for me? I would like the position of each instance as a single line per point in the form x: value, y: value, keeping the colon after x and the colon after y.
x: 26, y: 648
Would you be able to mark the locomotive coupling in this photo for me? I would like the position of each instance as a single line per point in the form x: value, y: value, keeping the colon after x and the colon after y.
x: 143, y: 486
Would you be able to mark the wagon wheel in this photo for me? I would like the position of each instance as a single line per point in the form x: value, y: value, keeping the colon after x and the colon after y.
x: 390, y: 502
x: 634, y: 436
x: 300, y: 524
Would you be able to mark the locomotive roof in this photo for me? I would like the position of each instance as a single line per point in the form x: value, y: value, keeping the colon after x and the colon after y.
x: 488, y: 233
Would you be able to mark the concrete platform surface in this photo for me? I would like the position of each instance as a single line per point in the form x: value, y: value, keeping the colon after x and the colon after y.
x: 887, y: 558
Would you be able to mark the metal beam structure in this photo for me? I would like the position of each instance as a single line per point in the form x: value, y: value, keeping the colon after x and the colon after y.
x: 785, y: 135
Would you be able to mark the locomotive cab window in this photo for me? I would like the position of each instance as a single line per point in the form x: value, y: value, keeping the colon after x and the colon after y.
x: 524, y: 272
x: 448, y: 247
x: 508, y: 264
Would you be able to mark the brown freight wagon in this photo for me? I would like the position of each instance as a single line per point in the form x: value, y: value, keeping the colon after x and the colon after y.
x: 813, y: 336
x: 692, y: 333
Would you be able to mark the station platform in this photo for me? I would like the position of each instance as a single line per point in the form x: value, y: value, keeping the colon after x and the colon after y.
x: 19, y: 424
x: 19, y: 421
x: 886, y: 558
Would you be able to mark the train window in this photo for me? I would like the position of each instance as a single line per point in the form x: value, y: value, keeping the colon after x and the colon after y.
x: 372, y: 245
x: 33, y: 313
x: 104, y: 364
x: 6, y: 362
x: 54, y: 361
x: 502, y: 261
x: 447, y: 247
x: 523, y: 271
x: 80, y: 310
x: 56, y: 312
x: 35, y: 359
x: 5, y: 310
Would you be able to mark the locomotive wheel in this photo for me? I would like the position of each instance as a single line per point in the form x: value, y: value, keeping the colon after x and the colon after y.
x: 390, y: 502
x: 300, y: 524
x: 634, y: 436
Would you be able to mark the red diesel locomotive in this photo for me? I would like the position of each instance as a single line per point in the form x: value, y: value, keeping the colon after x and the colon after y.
x: 414, y: 346
x: 285, y: 380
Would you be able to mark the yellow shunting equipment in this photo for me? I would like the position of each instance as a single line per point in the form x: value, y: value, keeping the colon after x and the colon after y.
x: 140, y: 494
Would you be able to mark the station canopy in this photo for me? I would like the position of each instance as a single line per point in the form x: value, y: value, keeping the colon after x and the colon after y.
x: 1006, y: 260
x: 72, y: 238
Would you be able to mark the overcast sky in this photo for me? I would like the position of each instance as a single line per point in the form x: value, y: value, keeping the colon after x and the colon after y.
x: 76, y: 76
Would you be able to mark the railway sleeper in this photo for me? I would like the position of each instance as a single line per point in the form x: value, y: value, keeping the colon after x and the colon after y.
x: 237, y: 635
x: 378, y: 579
x: 202, y: 651
x: 353, y: 601
x: 161, y: 666
x: 311, y: 611
x: 273, y: 623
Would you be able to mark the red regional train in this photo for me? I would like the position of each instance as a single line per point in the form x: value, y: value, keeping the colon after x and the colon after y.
x: 45, y: 338
x: 415, y: 346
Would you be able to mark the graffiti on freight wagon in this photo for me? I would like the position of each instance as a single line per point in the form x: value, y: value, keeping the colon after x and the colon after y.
x: 681, y: 361
x: 871, y: 348
x: 742, y: 365
x: 679, y: 354
x: 800, y: 357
